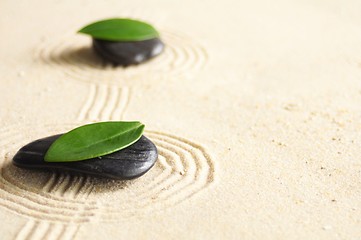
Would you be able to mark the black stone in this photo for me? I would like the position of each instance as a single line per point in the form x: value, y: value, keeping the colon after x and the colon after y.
x: 128, y: 163
x: 128, y: 53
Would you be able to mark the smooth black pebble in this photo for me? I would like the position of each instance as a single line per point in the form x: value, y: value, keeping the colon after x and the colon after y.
x: 128, y: 53
x: 128, y: 163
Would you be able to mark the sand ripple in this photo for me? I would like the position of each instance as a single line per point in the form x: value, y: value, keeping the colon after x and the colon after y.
x: 184, y: 168
x: 73, y: 57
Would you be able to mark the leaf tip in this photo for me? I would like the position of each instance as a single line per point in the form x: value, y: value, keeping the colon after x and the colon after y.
x: 82, y: 31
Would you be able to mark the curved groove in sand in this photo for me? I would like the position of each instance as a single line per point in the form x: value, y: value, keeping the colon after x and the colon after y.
x: 13, y: 191
x: 166, y: 171
x: 110, y: 103
x: 105, y: 103
x: 121, y: 104
x: 66, y: 188
x: 80, y: 185
x: 69, y: 186
x: 50, y: 183
x: 174, y: 159
x: 74, y: 57
x: 45, y: 194
x: 23, y: 208
x: 83, y: 114
x: 34, y: 230
x: 187, y: 178
x: 50, y: 199
x: 9, y: 181
x: 59, y: 184
x: 98, y: 104
x: 184, y: 168
x: 172, y: 188
x: 40, y: 205
x: 193, y: 145
x: 26, y: 231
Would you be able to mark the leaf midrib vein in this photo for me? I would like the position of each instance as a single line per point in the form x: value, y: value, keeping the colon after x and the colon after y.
x: 95, y: 143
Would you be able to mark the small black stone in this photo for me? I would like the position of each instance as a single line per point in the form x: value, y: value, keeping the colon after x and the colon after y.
x: 128, y: 53
x: 128, y: 163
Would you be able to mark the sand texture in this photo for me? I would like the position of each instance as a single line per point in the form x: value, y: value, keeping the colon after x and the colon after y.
x: 255, y: 107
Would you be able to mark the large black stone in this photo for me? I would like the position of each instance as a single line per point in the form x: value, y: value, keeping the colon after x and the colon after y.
x: 128, y: 163
x: 128, y: 53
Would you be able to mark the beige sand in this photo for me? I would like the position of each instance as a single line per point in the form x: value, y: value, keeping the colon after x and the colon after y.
x: 254, y: 106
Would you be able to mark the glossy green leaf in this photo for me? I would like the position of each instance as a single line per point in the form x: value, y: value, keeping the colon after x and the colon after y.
x: 94, y: 140
x: 120, y: 29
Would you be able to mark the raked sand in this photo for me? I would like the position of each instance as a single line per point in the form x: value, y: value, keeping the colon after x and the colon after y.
x: 254, y: 107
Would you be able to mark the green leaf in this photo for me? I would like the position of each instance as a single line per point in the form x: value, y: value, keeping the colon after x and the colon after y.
x: 94, y: 140
x: 120, y: 29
